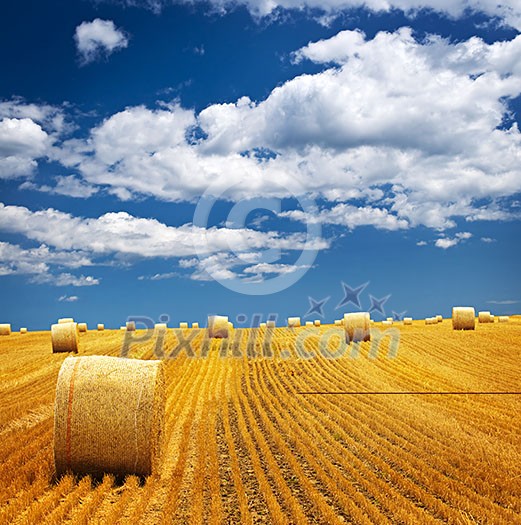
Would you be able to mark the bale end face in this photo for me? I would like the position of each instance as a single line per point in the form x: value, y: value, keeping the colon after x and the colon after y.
x: 115, y: 427
x: 5, y: 329
x: 64, y: 337
x: 357, y: 327
x: 463, y: 318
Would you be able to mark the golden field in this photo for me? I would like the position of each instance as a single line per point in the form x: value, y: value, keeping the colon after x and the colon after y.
x: 244, y: 445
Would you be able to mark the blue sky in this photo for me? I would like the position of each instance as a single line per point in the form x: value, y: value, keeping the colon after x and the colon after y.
x: 347, y: 141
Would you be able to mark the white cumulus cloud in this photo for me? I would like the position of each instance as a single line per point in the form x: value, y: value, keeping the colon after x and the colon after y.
x: 98, y: 38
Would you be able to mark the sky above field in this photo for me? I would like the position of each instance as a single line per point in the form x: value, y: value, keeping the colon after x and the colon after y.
x: 250, y: 157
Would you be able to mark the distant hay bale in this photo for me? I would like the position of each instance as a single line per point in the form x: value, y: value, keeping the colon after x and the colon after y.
x: 503, y: 319
x: 309, y: 323
x: 123, y: 328
x: 357, y: 326
x: 23, y: 330
x: 218, y: 326
x: 387, y: 323
x: 183, y: 325
x: 101, y: 327
x: 463, y: 318
x: 431, y: 320
x: 109, y: 416
x: 484, y: 317
x: 316, y: 322
x: 293, y: 322
x: 64, y: 337
x: 65, y: 320
x: 5, y: 329
x: 270, y: 324
x: 439, y: 318
x: 262, y: 325
x: 389, y: 319
x: 338, y: 322
x: 195, y: 325
x: 82, y: 327
x: 160, y: 327
x: 131, y: 326
x: 492, y: 318
x: 407, y: 320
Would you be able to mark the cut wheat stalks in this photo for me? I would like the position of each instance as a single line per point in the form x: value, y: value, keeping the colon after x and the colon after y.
x: 357, y: 326
x: 64, y: 337
x: 109, y: 416
x: 463, y: 318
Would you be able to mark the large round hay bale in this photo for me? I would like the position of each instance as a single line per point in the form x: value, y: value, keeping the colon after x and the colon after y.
x: 183, y: 325
x: 23, y: 330
x: 82, y: 327
x: 463, y: 318
x: 130, y: 326
x: 503, y: 319
x: 293, y: 322
x: 64, y: 337
x: 5, y: 329
x: 484, y: 317
x: 109, y: 416
x: 218, y: 326
x: 64, y: 320
x: 101, y: 327
x: 357, y: 326
x: 407, y: 320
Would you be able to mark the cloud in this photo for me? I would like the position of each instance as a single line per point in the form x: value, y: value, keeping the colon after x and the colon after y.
x: 417, y: 133
x: 421, y: 243
x: 71, y: 186
x: 488, y: 240
x: 68, y: 298
x: 508, y: 301
x: 506, y: 10
x: 158, y: 276
x: 65, y: 279
x: 447, y: 242
x: 98, y: 38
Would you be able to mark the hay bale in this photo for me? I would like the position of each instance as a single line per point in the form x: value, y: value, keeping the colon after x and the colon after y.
x: 23, y: 330
x: 503, y: 319
x: 407, y: 320
x: 316, y: 322
x: 338, y: 322
x: 387, y: 323
x: 463, y: 318
x: 183, y: 325
x: 101, y: 327
x: 390, y: 319
x: 431, y: 320
x: 64, y: 337
x: 82, y: 327
x: 218, y: 326
x: 484, y: 317
x: 357, y: 326
x: 160, y: 327
x: 439, y: 318
x: 195, y: 325
x: 5, y: 329
x: 492, y: 318
x: 262, y: 325
x: 131, y: 326
x: 270, y: 324
x: 64, y: 320
x: 309, y: 323
x: 293, y: 322
x: 123, y: 328
x: 109, y: 416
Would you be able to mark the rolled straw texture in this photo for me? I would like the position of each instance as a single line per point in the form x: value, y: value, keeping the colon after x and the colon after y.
x: 218, y: 326
x: 357, y: 326
x: 64, y: 337
x: 463, y: 318
x: 109, y: 416
x: 5, y: 329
